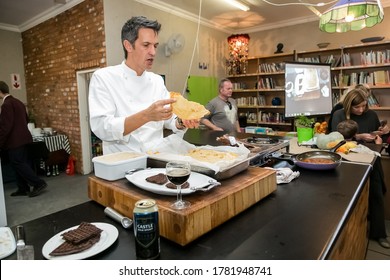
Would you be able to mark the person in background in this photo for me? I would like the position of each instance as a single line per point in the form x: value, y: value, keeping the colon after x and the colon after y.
x: 355, y: 107
x: 223, y: 110
x: 129, y: 106
x: 14, y: 137
x: 349, y: 129
x: 339, y: 104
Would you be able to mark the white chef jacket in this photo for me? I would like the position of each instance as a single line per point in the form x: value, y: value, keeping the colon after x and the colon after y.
x: 116, y: 92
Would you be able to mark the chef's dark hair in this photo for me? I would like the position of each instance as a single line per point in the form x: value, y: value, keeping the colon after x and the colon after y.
x: 4, y: 87
x: 132, y: 26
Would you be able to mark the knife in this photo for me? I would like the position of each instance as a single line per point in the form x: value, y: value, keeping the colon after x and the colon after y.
x: 23, y: 251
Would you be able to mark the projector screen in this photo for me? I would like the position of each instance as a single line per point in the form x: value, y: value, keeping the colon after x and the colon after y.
x: 308, y: 89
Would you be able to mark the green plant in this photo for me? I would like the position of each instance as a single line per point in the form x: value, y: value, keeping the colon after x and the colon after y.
x: 304, y: 121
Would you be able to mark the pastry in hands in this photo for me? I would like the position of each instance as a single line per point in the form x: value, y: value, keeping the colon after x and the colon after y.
x: 187, y: 110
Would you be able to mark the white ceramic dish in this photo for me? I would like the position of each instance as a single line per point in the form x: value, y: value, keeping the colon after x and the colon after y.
x: 7, y: 242
x: 196, y: 180
x: 113, y: 167
x: 107, y: 238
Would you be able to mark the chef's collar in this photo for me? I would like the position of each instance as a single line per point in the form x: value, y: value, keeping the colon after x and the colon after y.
x: 129, y: 71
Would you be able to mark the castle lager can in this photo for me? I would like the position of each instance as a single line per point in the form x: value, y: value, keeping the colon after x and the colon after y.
x: 146, y: 229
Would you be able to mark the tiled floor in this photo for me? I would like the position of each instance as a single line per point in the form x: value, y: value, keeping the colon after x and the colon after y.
x: 65, y: 191
x: 375, y: 251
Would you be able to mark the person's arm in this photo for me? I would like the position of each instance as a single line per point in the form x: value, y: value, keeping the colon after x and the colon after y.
x: 238, y: 128
x: 158, y: 111
x: 210, y: 125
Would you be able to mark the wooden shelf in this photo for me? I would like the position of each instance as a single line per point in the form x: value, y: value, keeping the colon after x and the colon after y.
x: 273, y: 62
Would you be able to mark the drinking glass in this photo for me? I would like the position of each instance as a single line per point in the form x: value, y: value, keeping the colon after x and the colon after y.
x: 178, y: 173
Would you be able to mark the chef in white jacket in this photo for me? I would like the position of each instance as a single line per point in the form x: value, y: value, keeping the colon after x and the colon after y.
x: 129, y: 106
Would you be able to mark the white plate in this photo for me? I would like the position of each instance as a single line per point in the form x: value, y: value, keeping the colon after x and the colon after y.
x: 196, y: 180
x: 107, y: 238
x: 7, y: 242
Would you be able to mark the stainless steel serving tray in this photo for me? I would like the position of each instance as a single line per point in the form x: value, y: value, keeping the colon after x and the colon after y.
x: 224, y: 174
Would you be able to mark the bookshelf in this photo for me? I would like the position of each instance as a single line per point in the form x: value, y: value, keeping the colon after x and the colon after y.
x: 255, y: 90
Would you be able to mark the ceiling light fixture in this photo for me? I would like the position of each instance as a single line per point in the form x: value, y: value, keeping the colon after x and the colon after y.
x: 354, y: 15
x: 238, y: 4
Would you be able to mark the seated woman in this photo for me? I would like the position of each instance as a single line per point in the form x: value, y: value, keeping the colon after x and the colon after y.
x: 355, y: 107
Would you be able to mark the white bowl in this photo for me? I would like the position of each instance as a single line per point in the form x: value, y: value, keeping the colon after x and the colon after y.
x: 36, y: 131
x: 323, y: 45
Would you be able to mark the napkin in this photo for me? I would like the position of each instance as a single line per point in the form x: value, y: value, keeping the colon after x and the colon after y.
x: 285, y: 175
x: 361, y: 149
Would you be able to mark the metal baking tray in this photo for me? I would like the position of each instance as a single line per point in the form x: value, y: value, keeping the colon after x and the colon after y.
x: 224, y: 174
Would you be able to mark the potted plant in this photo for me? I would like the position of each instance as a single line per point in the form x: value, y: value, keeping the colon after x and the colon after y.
x: 304, y: 126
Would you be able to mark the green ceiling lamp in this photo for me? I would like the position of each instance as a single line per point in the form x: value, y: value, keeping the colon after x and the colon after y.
x: 354, y: 15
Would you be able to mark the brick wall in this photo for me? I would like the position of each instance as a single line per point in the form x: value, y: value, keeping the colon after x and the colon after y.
x: 53, y: 51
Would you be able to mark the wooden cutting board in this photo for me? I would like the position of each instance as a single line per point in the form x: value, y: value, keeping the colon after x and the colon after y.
x: 208, y: 209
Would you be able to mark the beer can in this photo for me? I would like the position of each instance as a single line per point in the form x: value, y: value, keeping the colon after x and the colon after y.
x: 146, y: 229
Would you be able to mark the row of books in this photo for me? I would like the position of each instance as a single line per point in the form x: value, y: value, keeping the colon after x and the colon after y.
x: 366, y: 58
x: 372, y: 100
x: 250, y: 101
x: 266, y: 83
x: 375, y: 57
x: 271, y: 67
x: 239, y: 86
x: 266, y: 117
x: 375, y: 78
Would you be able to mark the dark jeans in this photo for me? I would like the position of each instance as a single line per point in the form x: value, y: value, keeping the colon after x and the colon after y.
x: 25, y: 175
x: 376, y: 207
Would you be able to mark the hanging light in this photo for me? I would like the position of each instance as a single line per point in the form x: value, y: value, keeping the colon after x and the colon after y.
x: 354, y: 15
x: 238, y: 53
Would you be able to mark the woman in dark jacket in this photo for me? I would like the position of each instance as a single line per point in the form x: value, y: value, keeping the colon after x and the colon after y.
x: 355, y: 107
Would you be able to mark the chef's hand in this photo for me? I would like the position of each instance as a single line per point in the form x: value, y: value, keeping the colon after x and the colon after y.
x: 160, y: 110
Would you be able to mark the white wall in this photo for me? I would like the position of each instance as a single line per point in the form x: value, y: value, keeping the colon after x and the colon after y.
x: 210, y: 50
x: 11, y: 61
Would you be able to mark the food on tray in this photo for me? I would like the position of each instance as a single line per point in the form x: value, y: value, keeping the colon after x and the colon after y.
x: 318, y: 160
x: 346, y: 147
x: 187, y: 110
x: 115, y: 157
x: 159, y: 179
x: 211, y: 156
x: 78, y: 240
x: 185, y: 185
x: 320, y: 127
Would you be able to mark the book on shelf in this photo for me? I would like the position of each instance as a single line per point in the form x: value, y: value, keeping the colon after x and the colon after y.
x: 375, y: 57
x: 346, y: 59
x: 271, y: 67
x: 372, y: 100
x: 381, y: 77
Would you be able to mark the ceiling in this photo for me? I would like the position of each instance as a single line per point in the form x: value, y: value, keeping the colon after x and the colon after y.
x: 20, y: 15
